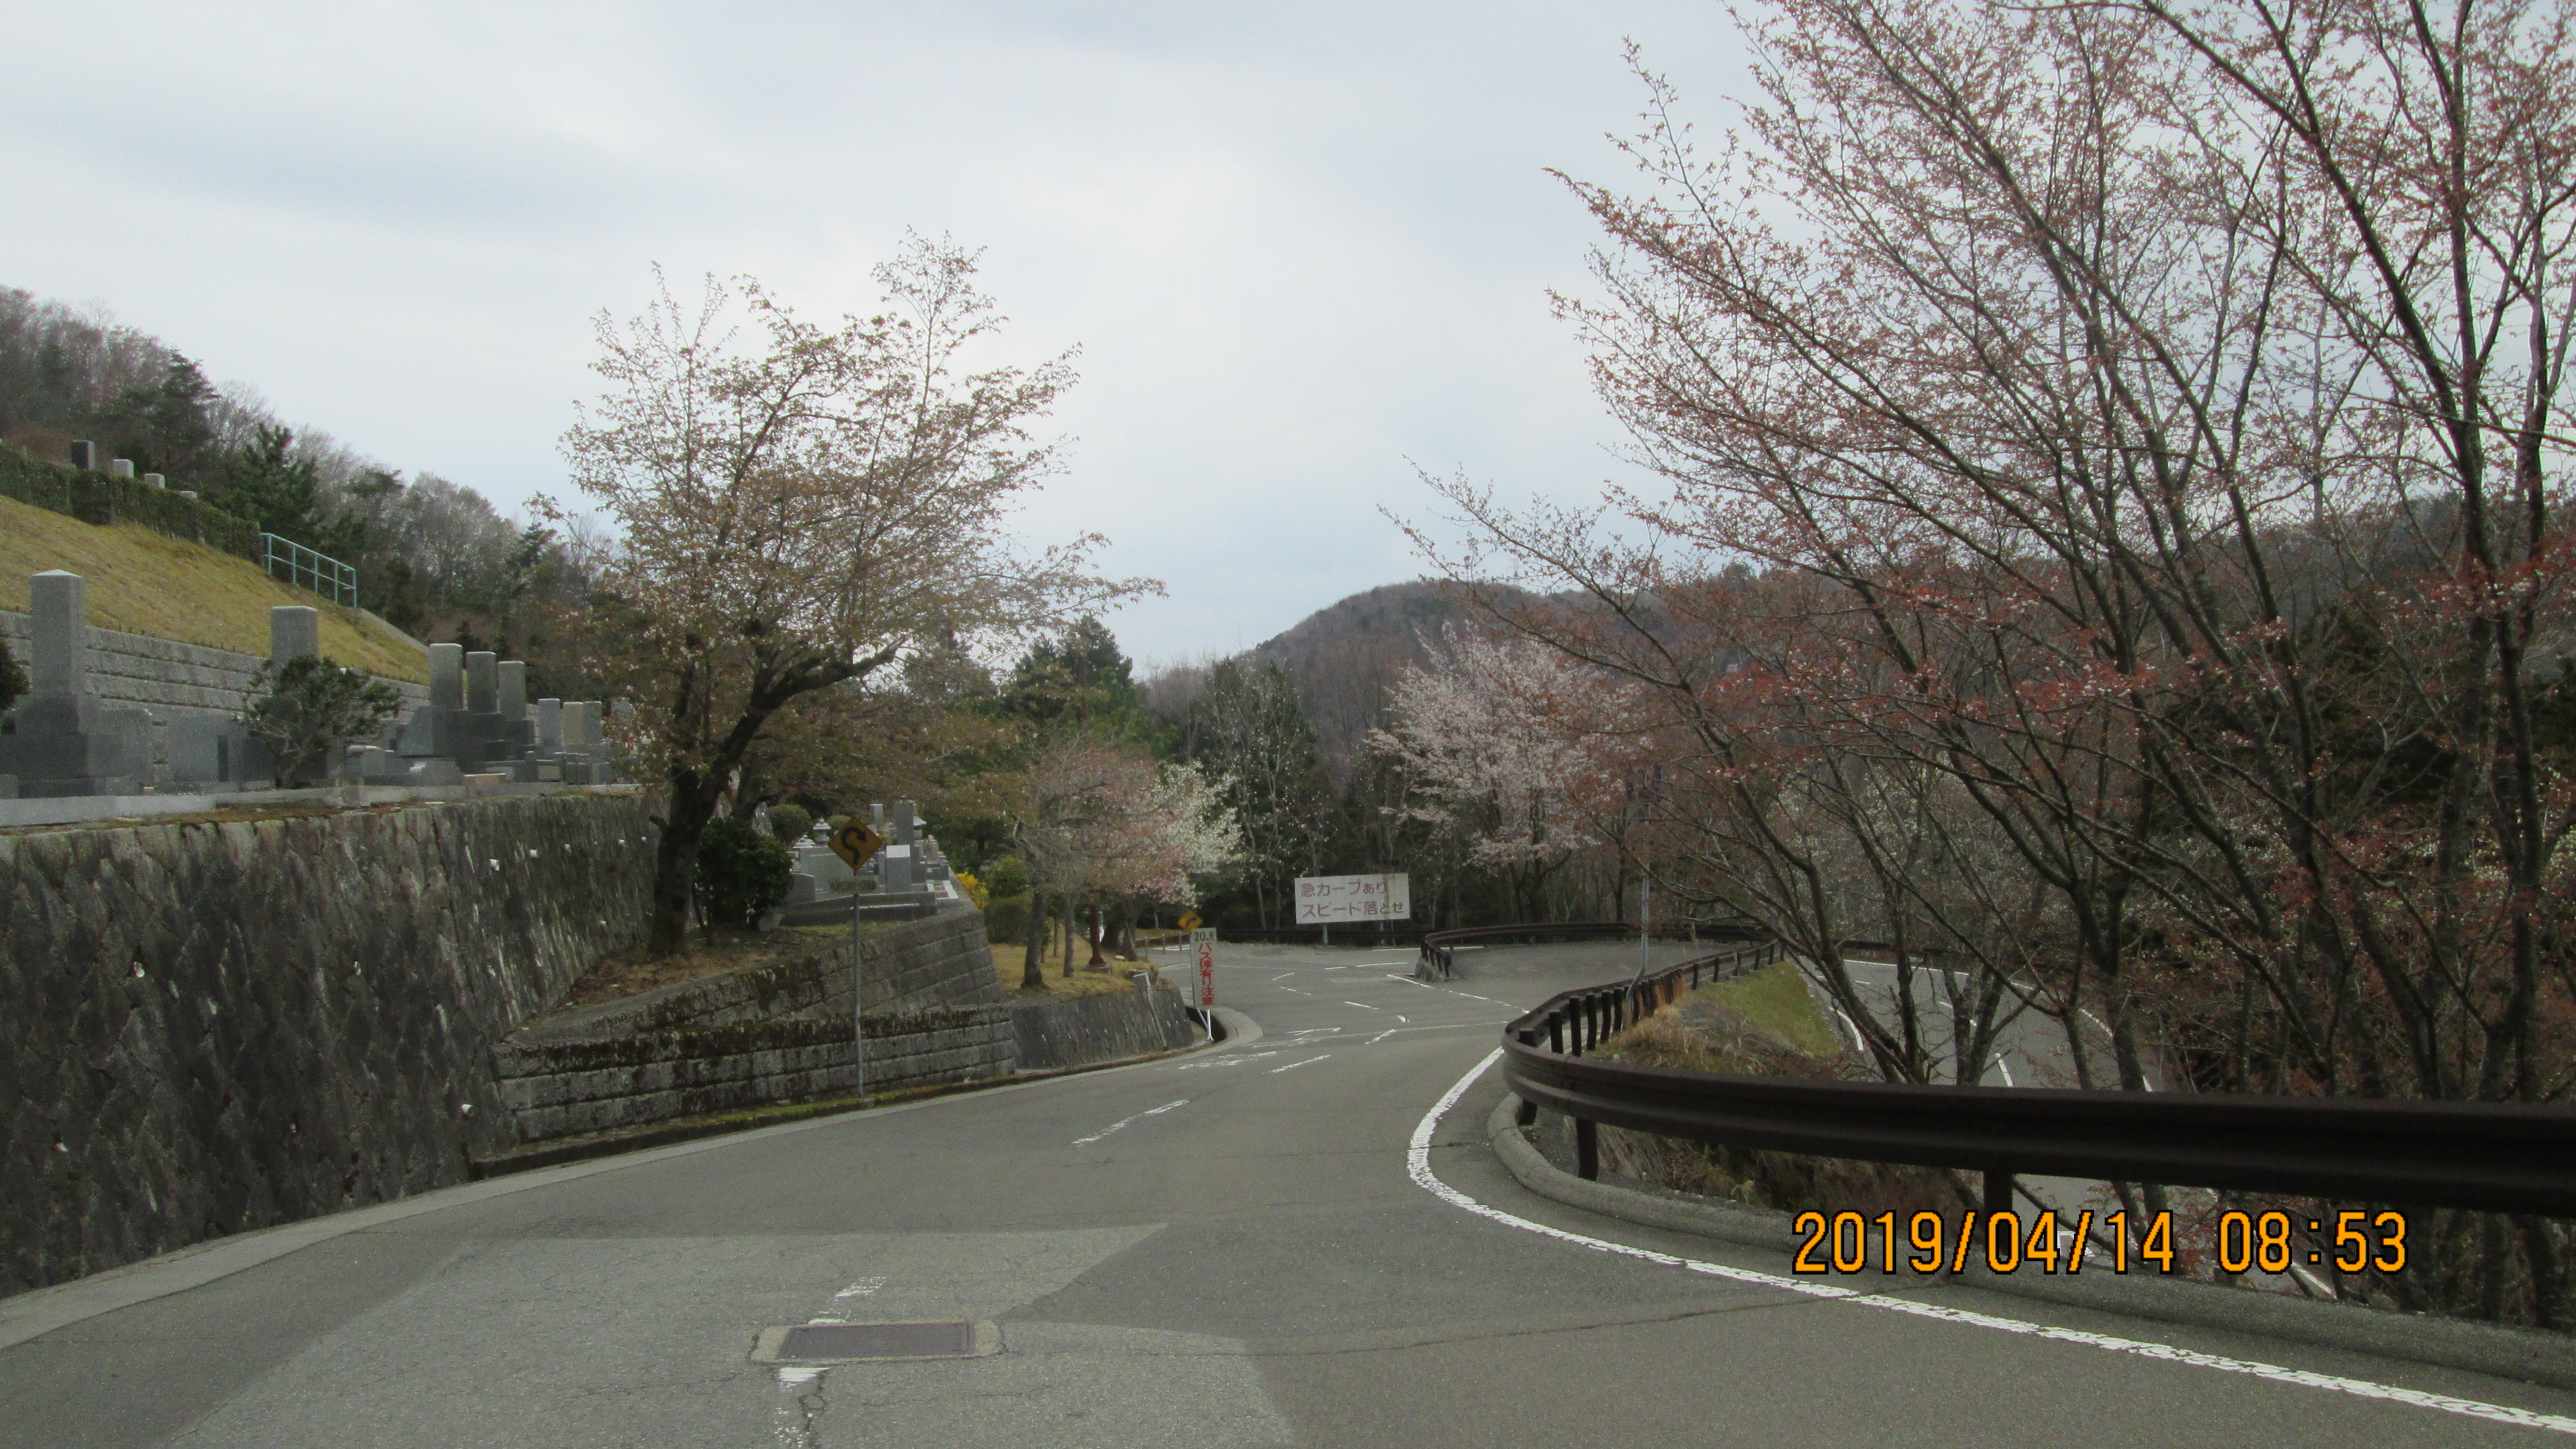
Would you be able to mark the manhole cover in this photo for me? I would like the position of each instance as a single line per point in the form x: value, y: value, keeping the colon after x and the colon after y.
x: 859, y: 1342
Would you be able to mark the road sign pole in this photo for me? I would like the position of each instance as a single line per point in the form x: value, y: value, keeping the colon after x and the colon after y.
x: 859, y: 1007
x: 854, y: 842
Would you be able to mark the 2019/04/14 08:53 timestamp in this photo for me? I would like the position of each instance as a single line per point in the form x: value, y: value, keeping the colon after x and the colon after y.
x: 1847, y: 1242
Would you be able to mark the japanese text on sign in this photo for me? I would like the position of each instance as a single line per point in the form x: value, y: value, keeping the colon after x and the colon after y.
x: 1205, y: 942
x: 1330, y: 900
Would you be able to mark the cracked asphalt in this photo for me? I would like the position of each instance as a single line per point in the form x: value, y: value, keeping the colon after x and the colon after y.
x: 1219, y: 1249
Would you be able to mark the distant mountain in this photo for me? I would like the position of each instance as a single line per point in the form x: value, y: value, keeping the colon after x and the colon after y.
x: 1347, y: 656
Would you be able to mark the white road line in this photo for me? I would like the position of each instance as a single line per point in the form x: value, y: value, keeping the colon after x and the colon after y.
x: 1292, y: 1066
x: 1292, y: 990
x: 1400, y: 1016
x: 1417, y: 1161
x: 1364, y: 1006
x: 1231, y: 1061
x: 1284, y: 975
x: 1123, y: 1121
x: 1381, y: 1036
x: 860, y: 1289
x: 1409, y: 981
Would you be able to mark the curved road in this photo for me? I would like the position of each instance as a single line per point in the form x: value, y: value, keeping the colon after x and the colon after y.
x: 1236, y: 1247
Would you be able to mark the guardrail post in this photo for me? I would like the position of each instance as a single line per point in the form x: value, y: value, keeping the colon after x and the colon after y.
x: 1527, y: 1113
x: 1587, y: 1150
x: 1999, y: 1191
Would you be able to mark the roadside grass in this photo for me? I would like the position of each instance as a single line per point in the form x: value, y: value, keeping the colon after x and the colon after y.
x: 1765, y: 1024
x: 1009, y: 960
x: 142, y: 582
x: 1777, y: 1000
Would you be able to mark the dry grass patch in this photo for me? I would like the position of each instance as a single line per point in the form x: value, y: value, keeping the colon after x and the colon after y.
x: 142, y: 582
x: 631, y: 972
x: 1009, y: 962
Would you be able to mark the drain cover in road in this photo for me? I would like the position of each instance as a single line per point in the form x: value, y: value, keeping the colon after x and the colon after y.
x: 860, y: 1342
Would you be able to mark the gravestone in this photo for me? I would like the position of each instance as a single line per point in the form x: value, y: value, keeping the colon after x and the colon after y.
x: 896, y: 873
x: 293, y: 630
x: 84, y: 455
x: 433, y: 743
x: 446, y: 676
x: 66, y: 742
x: 550, y: 726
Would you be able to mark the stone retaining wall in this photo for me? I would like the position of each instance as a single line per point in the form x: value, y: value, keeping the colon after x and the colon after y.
x: 1090, y: 1029
x: 564, y: 1088
x: 167, y: 677
x: 218, y: 1027
x: 910, y: 967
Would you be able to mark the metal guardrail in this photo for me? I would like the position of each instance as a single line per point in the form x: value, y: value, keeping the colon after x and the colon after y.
x: 306, y: 569
x: 1438, y: 964
x: 2487, y: 1156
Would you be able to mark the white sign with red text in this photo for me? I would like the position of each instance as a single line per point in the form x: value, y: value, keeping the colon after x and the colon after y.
x: 1333, y: 900
x: 1204, y: 943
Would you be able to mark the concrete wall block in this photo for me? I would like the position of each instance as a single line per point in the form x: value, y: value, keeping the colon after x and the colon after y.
x: 408, y: 959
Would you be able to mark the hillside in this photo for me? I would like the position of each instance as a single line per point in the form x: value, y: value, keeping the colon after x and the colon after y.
x: 1346, y: 656
x: 144, y: 582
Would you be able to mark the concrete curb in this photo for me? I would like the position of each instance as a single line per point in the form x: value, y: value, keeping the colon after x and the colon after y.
x: 2531, y: 1357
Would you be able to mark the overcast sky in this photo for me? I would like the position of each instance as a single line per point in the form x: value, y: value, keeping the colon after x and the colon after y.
x: 1298, y: 244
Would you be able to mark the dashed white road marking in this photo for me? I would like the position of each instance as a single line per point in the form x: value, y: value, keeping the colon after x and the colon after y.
x: 1292, y: 1066
x: 1123, y: 1121
x: 1364, y: 1006
x: 1418, y: 1165
x: 1381, y: 1036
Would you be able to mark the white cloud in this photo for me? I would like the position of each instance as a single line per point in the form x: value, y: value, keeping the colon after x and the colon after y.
x: 1298, y: 244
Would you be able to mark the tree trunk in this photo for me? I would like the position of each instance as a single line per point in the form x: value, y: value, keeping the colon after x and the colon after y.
x: 675, y: 866
x: 1069, y: 909
x: 1033, y: 941
x: 1093, y: 936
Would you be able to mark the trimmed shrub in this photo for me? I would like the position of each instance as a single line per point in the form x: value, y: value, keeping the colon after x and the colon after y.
x: 741, y: 872
x: 789, y: 822
x: 1006, y: 918
x: 1006, y: 876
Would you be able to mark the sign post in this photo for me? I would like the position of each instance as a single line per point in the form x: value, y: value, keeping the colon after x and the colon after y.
x: 1203, y: 944
x: 854, y: 842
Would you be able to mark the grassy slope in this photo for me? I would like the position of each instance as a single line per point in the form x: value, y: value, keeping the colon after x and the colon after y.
x: 149, y: 583
x: 1777, y: 1000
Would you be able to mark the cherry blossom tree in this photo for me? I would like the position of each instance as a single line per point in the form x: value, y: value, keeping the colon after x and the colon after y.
x: 1502, y: 746
x: 800, y: 509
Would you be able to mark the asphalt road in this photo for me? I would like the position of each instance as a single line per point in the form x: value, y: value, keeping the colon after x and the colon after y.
x: 1236, y: 1247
